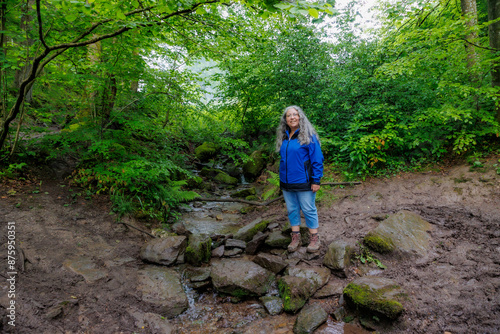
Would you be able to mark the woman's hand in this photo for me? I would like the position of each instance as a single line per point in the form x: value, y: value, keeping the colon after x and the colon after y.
x: 315, y: 187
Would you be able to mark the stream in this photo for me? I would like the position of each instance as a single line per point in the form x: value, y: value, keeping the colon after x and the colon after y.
x: 210, y: 312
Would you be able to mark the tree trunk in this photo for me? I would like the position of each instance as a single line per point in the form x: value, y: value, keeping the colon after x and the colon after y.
x: 26, y: 26
x: 494, y: 35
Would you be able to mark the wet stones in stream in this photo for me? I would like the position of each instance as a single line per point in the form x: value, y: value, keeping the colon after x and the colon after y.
x: 165, y: 251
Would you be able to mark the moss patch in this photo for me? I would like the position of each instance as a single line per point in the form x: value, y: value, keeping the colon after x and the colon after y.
x: 378, y: 243
x: 364, y: 297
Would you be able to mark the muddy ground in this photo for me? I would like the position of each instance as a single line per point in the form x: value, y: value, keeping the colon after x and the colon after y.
x: 455, y: 288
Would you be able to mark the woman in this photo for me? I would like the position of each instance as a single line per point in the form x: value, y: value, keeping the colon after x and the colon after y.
x: 301, y: 169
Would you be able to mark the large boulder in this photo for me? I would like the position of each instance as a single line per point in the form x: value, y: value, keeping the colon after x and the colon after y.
x: 375, y: 295
x: 294, y: 291
x: 161, y: 288
x: 247, y: 232
x: 309, y: 319
x: 205, y: 151
x: 253, y: 167
x: 404, y: 232
x: 199, y: 249
x: 338, y: 256
x: 241, y: 278
x: 165, y: 251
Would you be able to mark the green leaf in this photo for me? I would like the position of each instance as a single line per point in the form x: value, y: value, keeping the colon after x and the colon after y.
x: 283, y: 6
x: 121, y: 16
x: 314, y: 12
x: 200, y: 11
x: 70, y: 17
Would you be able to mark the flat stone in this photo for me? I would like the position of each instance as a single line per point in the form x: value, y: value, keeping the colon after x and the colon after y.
x: 294, y: 291
x: 233, y: 243
x: 161, y: 288
x: 270, y: 262
x: 87, y: 268
x: 233, y: 252
x: 164, y: 251
x: 152, y: 321
x: 334, y: 287
x: 196, y: 274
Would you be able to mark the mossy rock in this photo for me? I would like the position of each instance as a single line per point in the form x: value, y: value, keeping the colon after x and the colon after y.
x: 376, y: 295
x: 252, y: 198
x: 247, y: 232
x: 294, y: 291
x: 378, y: 242
x: 199, y: 249
x: 278, y: 239
x: 244, y: 193
x: 222, y: 177
x: 253, y: 167
x: 205, y: 151
x: 404, y: 232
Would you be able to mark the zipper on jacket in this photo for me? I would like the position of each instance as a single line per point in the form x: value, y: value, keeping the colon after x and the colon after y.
x: 286, y: 160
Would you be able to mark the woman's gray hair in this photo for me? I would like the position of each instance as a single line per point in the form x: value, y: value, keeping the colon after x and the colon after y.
x: 306, y: 132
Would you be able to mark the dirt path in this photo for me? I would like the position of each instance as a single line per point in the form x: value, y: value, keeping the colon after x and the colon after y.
x: 455, y: 288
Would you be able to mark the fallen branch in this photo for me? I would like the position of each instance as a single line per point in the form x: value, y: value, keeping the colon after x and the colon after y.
x: 203, y: 199
x: 138, y: 229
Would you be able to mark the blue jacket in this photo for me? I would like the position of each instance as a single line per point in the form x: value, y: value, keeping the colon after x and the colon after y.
x: 300, y: 165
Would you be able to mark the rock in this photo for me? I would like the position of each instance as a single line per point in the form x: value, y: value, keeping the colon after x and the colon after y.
x: 179, y: 229
x: 199, y: 249
x: 338, y: 256
x: 254, y: 244
x: 247, y: 232
x: 197, y: 274
x: 164, y: 251
x: 225, y: 178
x: 273, y: 305
x: 332, y: 288
x: 272, y: 226
x: 218, y: 252
x: 233, y: 252
x: 278, y: 239
x: 87, y: 268
x: 294, y: 291
x: 253, y: 167
x: 405, y: 232
x: 270, y: 262
x: 161, y: 288
x: 200, y: 285
x: 339, y: 313
x: 375, y: 295
x: 310, y: 318
x: 235, y: 243
x: 240, y: 277
x: 205, y: 151
x: 317, y: 276
x: 154, y: 322
x: 244, y: 193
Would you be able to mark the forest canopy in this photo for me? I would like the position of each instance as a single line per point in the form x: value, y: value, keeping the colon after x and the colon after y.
x: 127, y: 89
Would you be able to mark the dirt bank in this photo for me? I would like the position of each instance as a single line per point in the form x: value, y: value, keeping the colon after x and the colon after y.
x: 454, y: 288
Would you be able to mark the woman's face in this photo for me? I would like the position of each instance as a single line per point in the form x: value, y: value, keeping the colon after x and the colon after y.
x: 292, y: 119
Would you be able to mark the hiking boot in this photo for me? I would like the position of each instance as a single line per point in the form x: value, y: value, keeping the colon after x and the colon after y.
x: 295, y: 244
x: 314, y: 243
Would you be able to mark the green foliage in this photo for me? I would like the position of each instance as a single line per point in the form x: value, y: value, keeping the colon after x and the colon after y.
x: 12, y: 170
x: 365, y: 256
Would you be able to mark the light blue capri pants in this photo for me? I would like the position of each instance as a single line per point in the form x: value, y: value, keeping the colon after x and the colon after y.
x: 305, y: 201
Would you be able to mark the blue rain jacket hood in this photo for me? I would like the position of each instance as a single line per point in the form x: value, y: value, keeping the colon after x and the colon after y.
x: 300, y: 165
